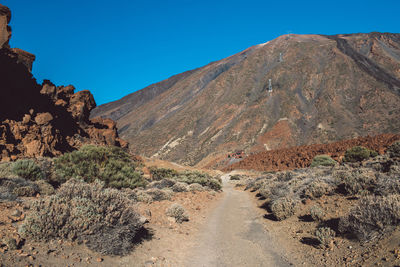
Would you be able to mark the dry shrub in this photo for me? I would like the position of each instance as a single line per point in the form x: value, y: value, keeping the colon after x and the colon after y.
x: 19, y: 187
x: 325, y: 236
x: 44, y: 187
x: 283, y: 208
x: 394, y: 150
x: 159, y: 194
x: 178, y: 212
x: 196, y: 187
x: 317, y: 213
x: 105, y: 219
x: 316, y: 189
x: 180, y: 187
x: 355, y: 181
x: 372, y: 217
x: 387, y: 185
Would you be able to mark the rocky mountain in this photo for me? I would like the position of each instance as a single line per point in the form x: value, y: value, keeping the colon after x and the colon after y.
x: 293, y: 90
x: 42, y: 120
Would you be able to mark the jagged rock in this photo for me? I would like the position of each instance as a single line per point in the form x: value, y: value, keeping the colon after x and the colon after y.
x: 5, y: 30
x: 43, y: 120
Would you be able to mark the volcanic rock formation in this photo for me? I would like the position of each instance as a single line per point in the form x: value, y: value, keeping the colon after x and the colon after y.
x: 324, y: 89
x: 42, y: 120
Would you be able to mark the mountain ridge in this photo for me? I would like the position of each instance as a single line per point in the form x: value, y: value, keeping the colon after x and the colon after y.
x: 325, y: 88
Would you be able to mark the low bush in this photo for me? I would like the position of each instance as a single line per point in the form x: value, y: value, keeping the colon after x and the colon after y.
x: 394, y: 150
x: 356, y: 181
x: 159, y: 194
x: 373, y: 216
x: 323, y: 160
x: 325, y: 236
x: 317, y: 213
x: 104, y: 218
x: 44, y: 187
x: 387, y: 185
x: 162, y: 173
x: 112, y: 165
x: 358, y: 153
x: 196, y: 187
x: 283, y: 208
x: 180, y: 187
x: 18, y: 187
x: 142, y: 196
x: 178, y: 212
x: 27, y: 169
x: 235, y: 177
x: 204, y: 179
x: 316, y: 189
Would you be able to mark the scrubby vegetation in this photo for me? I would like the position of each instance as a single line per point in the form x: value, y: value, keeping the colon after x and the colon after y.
x: 104, y: 218
x: 372, y: 188
x: 187, y: 177
x: 394, y: 150
x: 283, y: 208
x: 27, y: 169
x: 323, y: 160
x: 325, y: 236
x: 317, y: 213
x: 178, y: 212
x: 373, y: 216
x: 358, y: 153
x: 111, y: 165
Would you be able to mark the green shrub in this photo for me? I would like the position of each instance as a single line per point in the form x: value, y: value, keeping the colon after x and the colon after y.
x: 27, y: 169
x: 317, y: 213
x: 178, y: 212
x: 162, y: 173
x: 325, y: 236
x: 394, y: 150
x: 372, y: 217
x: 235, y: 177
x: 283, y: 208
x: 204, y: 179
x: 358, y: 153
x: 387, y: 185
x: 109, y: 164
x: 323, y: 160
x: 104, y: 218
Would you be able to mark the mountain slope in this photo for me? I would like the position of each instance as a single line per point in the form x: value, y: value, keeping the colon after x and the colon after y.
x: 324, y: 88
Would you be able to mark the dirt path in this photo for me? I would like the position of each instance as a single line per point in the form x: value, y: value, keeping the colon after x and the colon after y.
x: 234, y: 235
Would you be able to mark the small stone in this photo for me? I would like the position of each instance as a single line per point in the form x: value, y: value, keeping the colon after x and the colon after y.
x: 99, y: 259
x: 31, y: 258
x: 16, y: 213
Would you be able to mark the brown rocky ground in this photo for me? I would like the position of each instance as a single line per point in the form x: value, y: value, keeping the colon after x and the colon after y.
x: 163, y: 244
x: 302, y: 156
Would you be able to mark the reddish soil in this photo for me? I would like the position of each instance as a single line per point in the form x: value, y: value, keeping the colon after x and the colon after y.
x: 301, y: 156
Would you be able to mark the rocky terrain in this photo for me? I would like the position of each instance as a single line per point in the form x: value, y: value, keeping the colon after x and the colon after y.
x: 42, y: 120
x: 324, y: 89
x: 302, y: 156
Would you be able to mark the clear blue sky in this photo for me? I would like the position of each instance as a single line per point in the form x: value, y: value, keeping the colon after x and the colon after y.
x: 114, y: 48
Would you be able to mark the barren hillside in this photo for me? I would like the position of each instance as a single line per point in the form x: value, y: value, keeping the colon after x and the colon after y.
x: 324, y: 89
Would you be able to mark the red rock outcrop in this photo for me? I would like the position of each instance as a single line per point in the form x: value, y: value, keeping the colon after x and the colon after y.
x: 302, y: 156
x: 43, y: 120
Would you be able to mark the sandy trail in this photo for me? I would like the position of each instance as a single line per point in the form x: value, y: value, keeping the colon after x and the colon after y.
x: 234, y: 235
